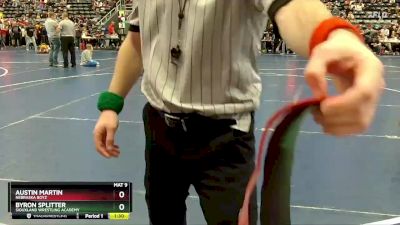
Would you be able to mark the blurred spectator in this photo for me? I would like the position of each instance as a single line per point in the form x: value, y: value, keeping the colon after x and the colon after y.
x: 385, y: 32
x: 359, y: 7
x: 30, y: 37
x: 350, y: 16
x: 336, y: 11
x: 111, y: 28
x: 15, y: 34
x: 3, y: 35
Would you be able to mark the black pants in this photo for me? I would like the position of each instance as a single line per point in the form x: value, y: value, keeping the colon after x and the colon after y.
x: 68, y: 45
x: 215, y: 159
x: 17, y: 40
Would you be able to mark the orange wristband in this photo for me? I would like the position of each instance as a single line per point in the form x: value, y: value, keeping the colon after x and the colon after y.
x: 321, y: 33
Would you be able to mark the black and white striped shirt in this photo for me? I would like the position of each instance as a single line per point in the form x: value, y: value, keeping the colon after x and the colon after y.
x: 220, y: 39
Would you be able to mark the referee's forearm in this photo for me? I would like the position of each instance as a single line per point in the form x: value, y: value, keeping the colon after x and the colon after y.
x: 128, y: 67
x: 297, y: 21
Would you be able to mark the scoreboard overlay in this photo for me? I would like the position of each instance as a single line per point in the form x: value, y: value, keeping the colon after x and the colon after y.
x: 70, y: 200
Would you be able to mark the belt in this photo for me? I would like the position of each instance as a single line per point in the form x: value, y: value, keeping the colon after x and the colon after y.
x: 193, y: 121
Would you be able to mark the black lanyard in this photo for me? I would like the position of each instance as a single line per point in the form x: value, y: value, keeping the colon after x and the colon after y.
x: 177, y: 52
x: 181, y: 14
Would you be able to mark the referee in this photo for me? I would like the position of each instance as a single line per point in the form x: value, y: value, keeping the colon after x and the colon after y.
x: 67, y: 28
x: 202, y: 86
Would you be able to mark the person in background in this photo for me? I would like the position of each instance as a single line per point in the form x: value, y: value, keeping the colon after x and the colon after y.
x: 370, y: 35
x: 16, y: 34
x: 350, y: 16
x: 385, y: 31
x: 45, y: 38
x: 3, y: 35
x: 1, y: 25
x: 44, y: 49
x: 53, y: 34
x: 30, y: 37
x: 38, y: 33
x: 78, y: 36
x: 85, y: 33
x: 8, y: 33
x: 86, y: 57
x: 377, y: 46
x: 22, y: 40
x: 336, y: 11
x: 111, y: 28
x: 67, y: 28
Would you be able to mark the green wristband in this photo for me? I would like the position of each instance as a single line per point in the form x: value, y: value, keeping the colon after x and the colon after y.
x: 110, y: 101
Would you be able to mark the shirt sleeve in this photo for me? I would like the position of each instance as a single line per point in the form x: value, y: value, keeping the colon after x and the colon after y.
x: 273, y: 9
x: 275, y: 6
x: 134, y: 25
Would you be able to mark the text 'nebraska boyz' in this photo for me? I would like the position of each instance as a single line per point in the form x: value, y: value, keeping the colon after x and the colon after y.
x: 36, y: 194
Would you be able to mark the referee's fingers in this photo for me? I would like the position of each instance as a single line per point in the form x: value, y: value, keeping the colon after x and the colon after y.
x: 323, y: 56
x: 99, y: 134
x: 115, y: 152
x: 315, y: 74
x: 110, y: 138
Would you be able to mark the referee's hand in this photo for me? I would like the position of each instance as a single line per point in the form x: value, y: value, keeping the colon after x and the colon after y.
x: 358, y: 76
x: 104, y: 134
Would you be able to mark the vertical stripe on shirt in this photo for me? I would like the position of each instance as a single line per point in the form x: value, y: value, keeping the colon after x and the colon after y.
x: 216, y: 74
x: 173, y: 42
